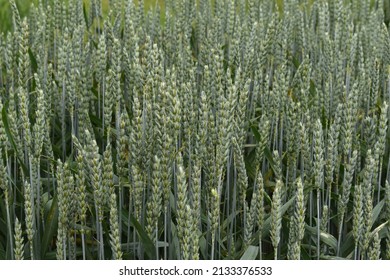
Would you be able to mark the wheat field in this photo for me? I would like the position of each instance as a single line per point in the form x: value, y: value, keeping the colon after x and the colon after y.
x: 202, y: 130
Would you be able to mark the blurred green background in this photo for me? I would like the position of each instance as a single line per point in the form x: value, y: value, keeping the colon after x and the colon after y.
x: 24, y: 5
x: 5, y: 12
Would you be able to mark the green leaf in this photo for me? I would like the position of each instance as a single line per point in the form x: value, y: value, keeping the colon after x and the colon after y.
x: 347, y: 245
x: 175, y: 246
x: 85, y: 14
x: 203, y: 247
x: 269, y: 157
x: 377, y: 210
x: 147, y: 243
x: 33, y: 60
x: 51, y: 225
x: 2, y: 252
x: 327, y: 257
x: 256, y: 132
x: 250, y: 253
x: 381, y: 230
x: 325, y: 237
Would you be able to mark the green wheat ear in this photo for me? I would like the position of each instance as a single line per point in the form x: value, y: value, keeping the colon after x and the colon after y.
x: 19, y: 241
x: 276, y: 218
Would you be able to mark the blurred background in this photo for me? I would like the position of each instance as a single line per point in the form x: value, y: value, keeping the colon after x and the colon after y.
x: 24, y: 6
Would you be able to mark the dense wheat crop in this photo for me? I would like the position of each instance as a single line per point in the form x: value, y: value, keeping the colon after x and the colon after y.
x: 195, y: 130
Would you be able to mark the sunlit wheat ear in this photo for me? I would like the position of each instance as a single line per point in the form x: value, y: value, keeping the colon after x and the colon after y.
x: 276, y: 218
x: 94, y: 162
x: 383, y: 124
x: 114, y: 229
x: 357, y: 216
x: 214, y: 217
x: 19, y: 241
x: 102, y: 79
x: 153, y: 207
x: 15, y: 15
x: 61, y: 214
x: 260, y: 210
x: 297, y: 224
x: 374, y: 251
x: 64, y: 190
x: 367, y: 202
x: 69, y: 206
x: 108, y: 173
x: 346, y: 189
x: 29, y: 212
x: 299, y: 214
x: 250, y: 218
x: 81, y: 196
x: 278, y: 165
x: 183, y: 211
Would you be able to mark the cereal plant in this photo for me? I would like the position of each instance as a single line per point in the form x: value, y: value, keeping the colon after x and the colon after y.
x: 205, y: 130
